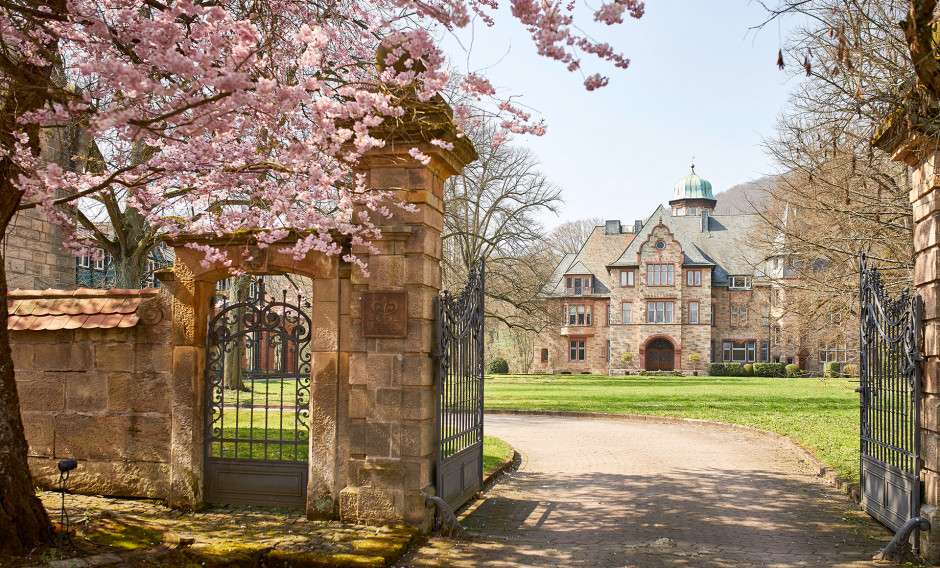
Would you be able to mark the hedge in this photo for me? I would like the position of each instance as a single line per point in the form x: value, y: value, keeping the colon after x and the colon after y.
x: 832, y: 369
x: 724, y: 369
x: 793, y: 370
x: 770, y: 369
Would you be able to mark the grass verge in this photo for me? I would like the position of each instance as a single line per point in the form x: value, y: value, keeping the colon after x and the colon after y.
x: 821, y: 414
x: 494, y: 452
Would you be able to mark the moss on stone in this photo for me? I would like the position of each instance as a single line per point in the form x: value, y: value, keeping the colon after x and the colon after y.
x: 303, y: 559
x: 122, y: 536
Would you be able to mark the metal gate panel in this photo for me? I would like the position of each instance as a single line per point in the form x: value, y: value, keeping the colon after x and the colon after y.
x: 890, y: 373
x: 459, y: 354
x: 258, y: 397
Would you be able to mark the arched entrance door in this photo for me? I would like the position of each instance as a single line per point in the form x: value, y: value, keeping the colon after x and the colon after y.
x: 660, y: 356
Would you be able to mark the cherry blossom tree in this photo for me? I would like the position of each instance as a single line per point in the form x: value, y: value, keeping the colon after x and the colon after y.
x: 254, y: 115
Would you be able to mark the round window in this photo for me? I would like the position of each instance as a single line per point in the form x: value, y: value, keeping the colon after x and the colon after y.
x: 660, y: 245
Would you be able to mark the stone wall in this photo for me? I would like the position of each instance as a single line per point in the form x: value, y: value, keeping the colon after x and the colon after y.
x: 34, y: 256
x: 101, y: 396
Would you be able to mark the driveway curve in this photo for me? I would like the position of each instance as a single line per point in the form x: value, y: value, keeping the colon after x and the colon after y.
x: 621, y: 492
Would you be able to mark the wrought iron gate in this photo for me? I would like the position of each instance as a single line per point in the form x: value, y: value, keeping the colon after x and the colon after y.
x: 890, y: 389
x: 258, y: 377
x: 459, y: 354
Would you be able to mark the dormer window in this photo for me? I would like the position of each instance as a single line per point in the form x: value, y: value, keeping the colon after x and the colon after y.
x: 578, y: 285
x: 739, y: 283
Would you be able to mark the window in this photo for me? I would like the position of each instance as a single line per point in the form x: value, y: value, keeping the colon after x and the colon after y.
x: 693, y: 312
x: 835, y: 319
x: 223, y: 285
x: 714, y: 352
x: 151, y: 278
x: 102, y: 261
x: 831, y: 352
x: 693, y: 210
x: 659, y: 312
x: 738, y: 316
x: 660, y: 274
x: 765, y: 321
x: 578, y: 285
x: 764, y: 351
x: 627, y: 315
x: 545, y: 355
x: 576, y: 351
x: 579, y: 315
x: 660, y: 245
x: 775, y: 334
x: 84, y: 261
x: 608, y: 350
x: 693, y: 278
x: 739, y: 351
x: 713, y: 315
x: 626, y: 278
x: 740, y: 282
x: 608, y: 314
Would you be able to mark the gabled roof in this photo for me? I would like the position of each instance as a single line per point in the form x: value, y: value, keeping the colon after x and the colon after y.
x: 728, y: 245
x: 592, y: 259
x: 578, y: 268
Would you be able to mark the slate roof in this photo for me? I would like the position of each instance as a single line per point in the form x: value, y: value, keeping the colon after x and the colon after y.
x: 592, y: 259
x: 728, y: 245
x: 84, y: 308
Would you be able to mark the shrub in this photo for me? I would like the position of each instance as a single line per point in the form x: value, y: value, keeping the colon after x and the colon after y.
x: 498, y: 366
x: 626, y: 357
x: 770, y: 369
x: 850, y: 370
x: 724, y: 369
x: 747, y: 370
x: 793, y: 370
x: 831, y: 369
x: 645, y: 373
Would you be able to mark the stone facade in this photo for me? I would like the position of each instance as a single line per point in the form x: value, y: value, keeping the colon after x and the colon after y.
x: 671, y: 286
x: 34, y: 255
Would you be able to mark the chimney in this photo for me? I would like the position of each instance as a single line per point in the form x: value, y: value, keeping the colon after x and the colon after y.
x: 637, y: 226
x: 705, y: 220
x: 611, y: 227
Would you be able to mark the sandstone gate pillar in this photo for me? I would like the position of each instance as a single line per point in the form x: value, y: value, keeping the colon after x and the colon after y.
x: 390, y: 448
x: 922, y: 154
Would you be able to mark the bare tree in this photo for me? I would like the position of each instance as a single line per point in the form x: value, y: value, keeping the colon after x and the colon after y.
x: 838, y: 195
x: 570, y: 236
x: 492, y: 211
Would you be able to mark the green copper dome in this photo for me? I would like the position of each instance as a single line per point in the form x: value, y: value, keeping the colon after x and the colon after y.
x: 693, y: 186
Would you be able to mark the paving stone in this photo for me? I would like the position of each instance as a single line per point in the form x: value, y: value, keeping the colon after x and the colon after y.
x: 618, y: 493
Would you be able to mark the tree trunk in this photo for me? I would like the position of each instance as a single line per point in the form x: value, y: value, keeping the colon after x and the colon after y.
x: 24, y: 522
x: 128, y: 272
x: 234, y: 358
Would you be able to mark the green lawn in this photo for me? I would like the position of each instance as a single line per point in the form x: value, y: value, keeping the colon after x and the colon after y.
x: 822, y: 415
x: 494, y: 452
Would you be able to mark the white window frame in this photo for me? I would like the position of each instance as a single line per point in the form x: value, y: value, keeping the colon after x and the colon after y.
x: 626, y: 312
x: 693, y: 278
x: 657, y: 272
x: 694, y: 308
x: 739, y: 282
x: 660, y: 311
x: 626, y: 278
x: 579, y: 315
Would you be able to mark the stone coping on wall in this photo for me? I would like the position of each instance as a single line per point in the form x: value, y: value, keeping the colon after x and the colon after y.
x: 84, y: 308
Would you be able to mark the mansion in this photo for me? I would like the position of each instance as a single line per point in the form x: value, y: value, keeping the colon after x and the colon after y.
x: 683, y: 282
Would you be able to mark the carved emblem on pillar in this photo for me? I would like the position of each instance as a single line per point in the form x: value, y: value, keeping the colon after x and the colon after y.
x: 384, y: 314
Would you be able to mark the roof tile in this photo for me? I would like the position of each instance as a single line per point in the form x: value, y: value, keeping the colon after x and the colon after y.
x: 76, y: 321
x: 73, y: 309
x: 57, y: 322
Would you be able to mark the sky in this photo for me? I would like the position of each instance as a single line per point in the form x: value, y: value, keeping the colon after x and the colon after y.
x: 700, y: 84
